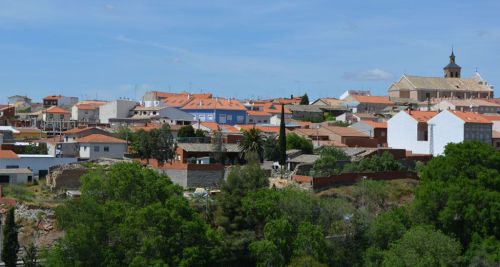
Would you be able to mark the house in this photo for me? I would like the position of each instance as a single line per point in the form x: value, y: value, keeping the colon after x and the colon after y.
x: 16, y: 176
x: 496, y: 140
x: 220, y: 110
x: 177, y: 100
x: 409, y: 130
x: 162, y: 114
x: 374, y: 129
x: 453, y: 126
x: 367, y: 104
x: 201, y: 153
x: 86, y: 111
x: 117, y: 109
x: 468, y: 105
x: 39, y: 164
x: 287, y: 101
x: 349, y: 136
x: 76, y: 133
x: 7, y: 114
x: 59, y: 100
x: 96, y: 146
x: 55, y: 113
x: 20, y: 102
x: 258, y: 117
x: 59, y: 148
x: 306, y: 112
x: 266, y: 129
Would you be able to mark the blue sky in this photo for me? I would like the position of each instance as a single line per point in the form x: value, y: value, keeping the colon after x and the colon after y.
x: 110, y: 49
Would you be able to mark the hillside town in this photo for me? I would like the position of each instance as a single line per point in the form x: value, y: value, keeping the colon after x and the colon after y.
x: 198, y: 139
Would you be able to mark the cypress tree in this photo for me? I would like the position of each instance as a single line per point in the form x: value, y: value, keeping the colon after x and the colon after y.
x: 304, y: 100
x: 10, y: 242
x: 282, y: 137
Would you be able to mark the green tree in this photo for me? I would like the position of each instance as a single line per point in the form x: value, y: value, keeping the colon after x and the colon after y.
x: 376, y: 163
x: 295, y: 141
x: 163, y: 144
x: 281, y: 234
x: 459, y: 193
x: 305, y: 261
x: 10, y: 242
x: 200, y: 133
x: 30, y: 256
x: 253, y: 142
x: 125, y: 133
x: 310, y: 241
x: 271, y: 148
x: 143, y: 144
x: 327, y: 164
x: 186, y: 131
x: 304, y: 100
x: 421, y: 247
x: 282, y: 137
x: 266, y: 253
x: 132, y: 216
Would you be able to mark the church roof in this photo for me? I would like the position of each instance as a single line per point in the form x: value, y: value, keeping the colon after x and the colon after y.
x: 409, y: 82
x: 452, y: 65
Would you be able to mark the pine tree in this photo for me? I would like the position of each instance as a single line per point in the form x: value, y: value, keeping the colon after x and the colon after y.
x: 10, y: 242
x: 282, y: 137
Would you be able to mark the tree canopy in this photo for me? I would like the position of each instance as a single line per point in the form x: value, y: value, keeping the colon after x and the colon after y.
x: 295, y: 141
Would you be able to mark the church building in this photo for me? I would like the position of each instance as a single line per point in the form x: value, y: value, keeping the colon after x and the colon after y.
x: 451, y: 86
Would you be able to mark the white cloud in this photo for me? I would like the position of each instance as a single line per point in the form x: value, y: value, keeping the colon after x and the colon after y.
x: 369, y: 75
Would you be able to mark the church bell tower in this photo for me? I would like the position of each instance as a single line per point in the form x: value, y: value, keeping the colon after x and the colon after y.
x: 452, y: 70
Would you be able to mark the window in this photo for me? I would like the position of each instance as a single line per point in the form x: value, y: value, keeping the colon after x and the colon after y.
x: 106, y: 149
x: 240, y: 119
x: 97, y: 148
x: 51, y: 116
x: 229, y: 117
x: 222, y: 118
x: 61, y: 116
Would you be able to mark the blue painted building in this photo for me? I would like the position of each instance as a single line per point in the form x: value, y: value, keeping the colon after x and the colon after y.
x: 219, y: 110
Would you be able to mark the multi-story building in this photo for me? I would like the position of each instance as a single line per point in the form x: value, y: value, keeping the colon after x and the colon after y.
x: 409, y: 130
x: 7, y: 114
x: 220, y: 110
x: 162, y: 114
x: 59, y: 100
x: 468, y: 105
x: 86, y: 111
x: 118, y: 109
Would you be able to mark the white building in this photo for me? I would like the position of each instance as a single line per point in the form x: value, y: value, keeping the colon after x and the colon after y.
x: 410, y: 130
x: 39, y: 164
x: 451, y: 126
x: 468, y: 105
x: 96, y: 146
x: 116, y: 109
x: 86, y: 111
x: 16, y: 176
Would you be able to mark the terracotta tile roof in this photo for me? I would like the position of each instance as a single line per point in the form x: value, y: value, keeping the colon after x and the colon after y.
x: 86, y: 106
x: 312, y: 132
x: 469, y: 117
x: 78, y: 130
x: 168, y: 94
x: 93, y: 102
x: 262, y: 128
x: 213, y: 126
x: 52, y: 140
x: 332, y: 101
x: 100, y: 138
x: 287, y: 101
x: 422, y: 116
x: 373, y: 99
x: 215, y: 103
x: 258, y: 113
x: 8, y: 154
x: 55, y: 109
x: 150, y: 127
x: 492, y: 118
x: 177, y: 101
x: 345, y: 131
x: 377, y: 124
x: 52, y: 97
x: 494, y: 100
x: 472, y: 102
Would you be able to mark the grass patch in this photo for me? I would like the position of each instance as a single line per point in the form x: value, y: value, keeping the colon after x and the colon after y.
x: 19, y: 192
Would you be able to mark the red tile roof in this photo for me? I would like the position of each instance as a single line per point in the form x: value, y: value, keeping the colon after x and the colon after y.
x: 177, y: 101
x: 55, y: 109
x: 213, y: 126
x: 215, y: 103
x: 262, y: 128
x: 77, y: 130
x: 373, y: 99
x: 469, y: 117
x: 492, y: 118
x: 258, y: 113
x: 377, y: 124
x: 8, y: 154
x: 52, y: 97
x: 100, y: 138
x: 422, y: 116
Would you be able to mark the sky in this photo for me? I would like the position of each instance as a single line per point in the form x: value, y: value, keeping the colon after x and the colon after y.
x: 243, y: 49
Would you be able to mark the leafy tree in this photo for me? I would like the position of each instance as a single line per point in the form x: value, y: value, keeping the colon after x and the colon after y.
x: 294, y: 141
x: 200, y: 133
x: 30, y: 256
x: 282, y: 137
x: 304, y: 100
x: 310, y: 241
x: 271, y: 149
x: 186, y: 131
x: 305, y: 261
x: 423, y: 246
x: 10, y: 241
x: 376, y: 163
x: 163, y: 143
x: 253, y: 142
x: 459, y: 193
x: 132, y: 216
x: 266, y: 253
x: 240, y: 182
x: 143, y: 144
x: 326, y: 165
x: 125, y: 133
x: 281, y: 234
